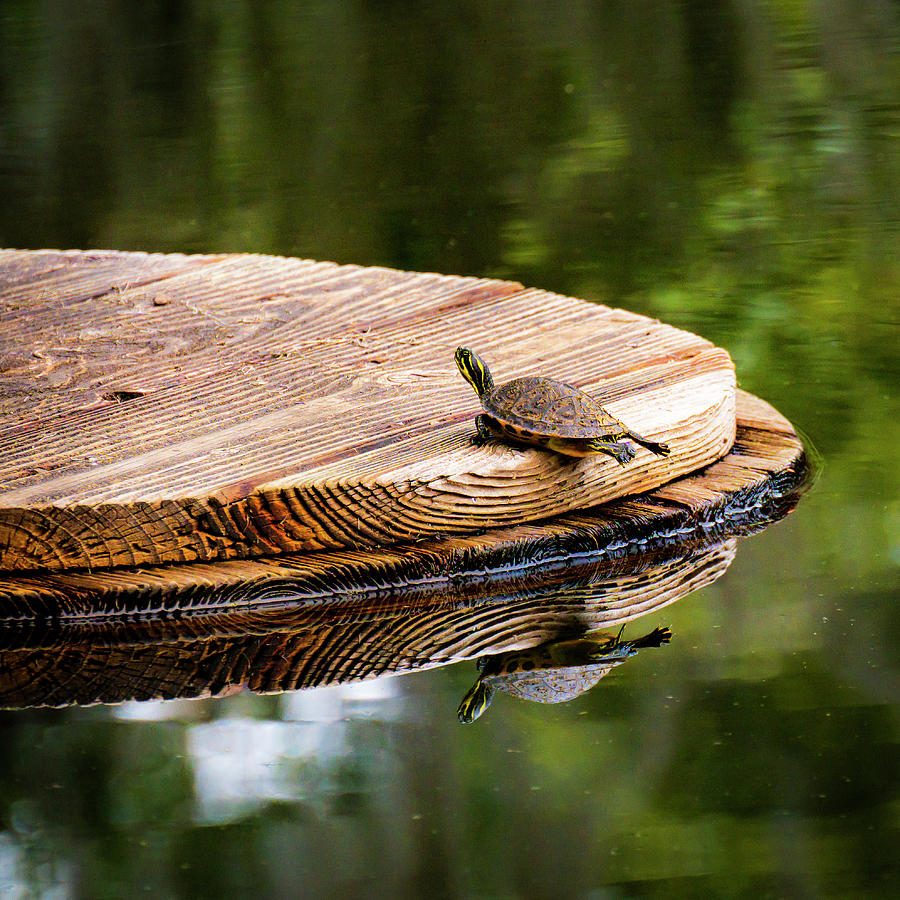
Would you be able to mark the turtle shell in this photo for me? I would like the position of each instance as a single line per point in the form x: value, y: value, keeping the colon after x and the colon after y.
x: 540, y: 673
x: 550, y: 685
x: 546, y: 407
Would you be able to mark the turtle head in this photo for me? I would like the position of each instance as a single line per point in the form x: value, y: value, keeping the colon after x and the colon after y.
x: 476, y: 701
x: 474, y: 369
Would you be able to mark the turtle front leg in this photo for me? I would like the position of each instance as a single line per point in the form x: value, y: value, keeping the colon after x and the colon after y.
x: 483, y: 433
x: 653, y: 446
x: 621, y: 453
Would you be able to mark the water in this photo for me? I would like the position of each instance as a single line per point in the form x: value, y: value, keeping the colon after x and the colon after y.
x: 731, y: 168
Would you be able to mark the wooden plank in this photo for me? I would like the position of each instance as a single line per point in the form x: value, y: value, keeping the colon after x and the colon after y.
x: 173, y: 409
x: 304, y: 620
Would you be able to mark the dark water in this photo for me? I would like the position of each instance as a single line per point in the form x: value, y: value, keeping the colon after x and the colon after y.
x: 730, y: 167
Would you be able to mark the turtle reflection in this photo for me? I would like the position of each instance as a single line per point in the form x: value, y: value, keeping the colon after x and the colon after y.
x: 552, y: 672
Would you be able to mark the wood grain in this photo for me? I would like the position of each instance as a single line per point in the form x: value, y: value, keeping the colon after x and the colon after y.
x: 173, y: 408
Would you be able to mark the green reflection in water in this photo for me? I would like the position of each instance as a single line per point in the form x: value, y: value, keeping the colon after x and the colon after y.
x: 731, y: 168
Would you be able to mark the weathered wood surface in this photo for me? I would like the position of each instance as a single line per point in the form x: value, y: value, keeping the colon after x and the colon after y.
x: 174, y: 408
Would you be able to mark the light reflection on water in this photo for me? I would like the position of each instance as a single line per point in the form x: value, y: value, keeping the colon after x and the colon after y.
x: 238, y: 763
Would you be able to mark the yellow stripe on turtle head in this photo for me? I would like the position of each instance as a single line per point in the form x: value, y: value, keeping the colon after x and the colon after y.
x: 476, y: 701
x: 474, y: 369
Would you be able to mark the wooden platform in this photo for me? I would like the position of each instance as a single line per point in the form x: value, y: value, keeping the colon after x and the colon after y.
x: 158, y: 409
x: 310, y: 619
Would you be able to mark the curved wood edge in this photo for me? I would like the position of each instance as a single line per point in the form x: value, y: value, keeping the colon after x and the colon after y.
x: 388, y: 495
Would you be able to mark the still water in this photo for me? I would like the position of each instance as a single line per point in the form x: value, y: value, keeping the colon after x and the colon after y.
x: 732, y: 168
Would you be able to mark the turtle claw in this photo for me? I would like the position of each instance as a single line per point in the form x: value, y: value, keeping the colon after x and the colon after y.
x: 621, y: 453
x: 624, y: 456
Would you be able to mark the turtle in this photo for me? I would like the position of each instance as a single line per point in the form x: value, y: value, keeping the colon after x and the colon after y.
x: 546, y: 413
x: 554, y: 672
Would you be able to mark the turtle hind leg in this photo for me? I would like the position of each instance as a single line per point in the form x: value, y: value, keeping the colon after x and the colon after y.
x: 652, y: 446
x: 656, y: 638
x: 621, y: 453
x: 618, y: 649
